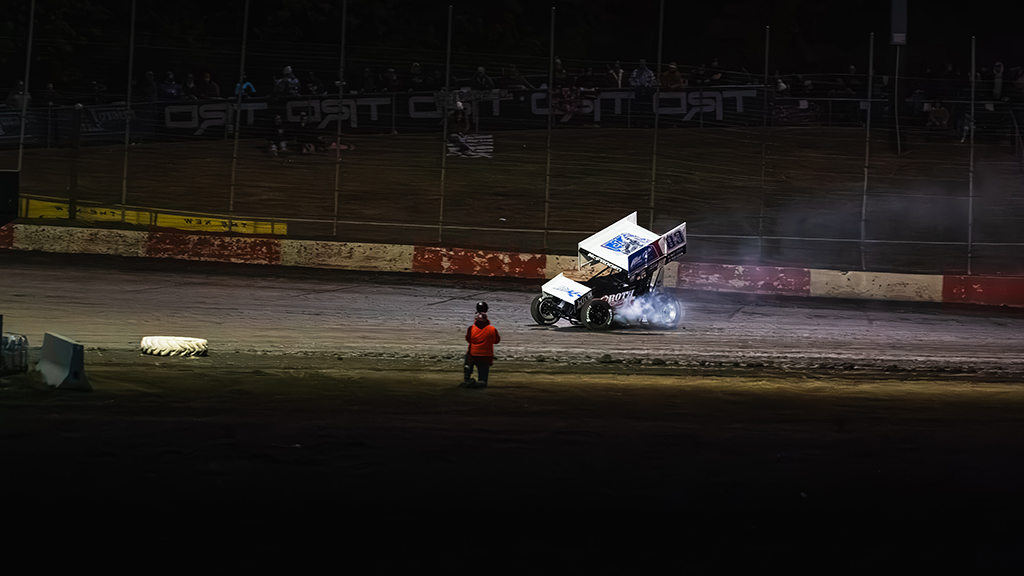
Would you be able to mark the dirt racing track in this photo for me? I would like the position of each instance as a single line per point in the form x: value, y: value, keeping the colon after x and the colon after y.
x: 110, y: 304
x: 787, y: 430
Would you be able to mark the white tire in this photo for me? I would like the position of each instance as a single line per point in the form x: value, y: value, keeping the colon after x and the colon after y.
x: 174, y: 346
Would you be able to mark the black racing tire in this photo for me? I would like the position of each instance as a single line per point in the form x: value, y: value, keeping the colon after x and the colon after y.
x: 597, y: 315
x: 668, y: 312
x: 543, y: 310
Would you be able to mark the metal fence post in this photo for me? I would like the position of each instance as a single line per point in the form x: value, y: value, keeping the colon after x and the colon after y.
x: 764, y: 110
x: 128, y: 115
x: 764, y: 149
x: 867, y: 155
x: 551, y: 113
x: 657, y: 105
x: 341, y: 99
x: 24, y: 96
x: 701, y: 88
x: 238, y: 118
x: 444, y: 136
x: 970, y: 175
x: 896, y: 102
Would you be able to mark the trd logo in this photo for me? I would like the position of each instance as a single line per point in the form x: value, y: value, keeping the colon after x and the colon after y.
x: 188, y: 115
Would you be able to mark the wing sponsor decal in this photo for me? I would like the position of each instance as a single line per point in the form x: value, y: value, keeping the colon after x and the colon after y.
x: 625, y: 243
x: 641, y: 258
x: 620, y: 298
x: 567, y: 290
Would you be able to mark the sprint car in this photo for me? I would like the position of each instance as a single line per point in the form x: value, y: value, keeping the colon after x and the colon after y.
x: 627, y: 291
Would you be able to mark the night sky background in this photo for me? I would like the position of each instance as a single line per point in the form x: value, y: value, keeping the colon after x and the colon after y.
x: 78, y: 40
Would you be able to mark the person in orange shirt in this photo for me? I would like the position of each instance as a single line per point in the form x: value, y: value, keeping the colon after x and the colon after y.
x: 482, y: 337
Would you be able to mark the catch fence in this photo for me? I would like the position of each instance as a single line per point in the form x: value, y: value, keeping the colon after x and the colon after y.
x: 841, y: 171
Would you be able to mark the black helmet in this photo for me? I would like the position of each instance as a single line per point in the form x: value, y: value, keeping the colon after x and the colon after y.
x: 481, y: 306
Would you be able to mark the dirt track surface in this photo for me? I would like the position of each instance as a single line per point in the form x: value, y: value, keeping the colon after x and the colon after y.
x: 111, y: 304
x: 327, y: 418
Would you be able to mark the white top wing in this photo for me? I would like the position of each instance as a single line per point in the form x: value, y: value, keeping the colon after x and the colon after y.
x: 614, y: 245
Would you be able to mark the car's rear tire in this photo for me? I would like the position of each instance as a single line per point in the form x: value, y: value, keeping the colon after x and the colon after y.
x: 668, y: 312
x: 543, y: 310
x: 597, y: 315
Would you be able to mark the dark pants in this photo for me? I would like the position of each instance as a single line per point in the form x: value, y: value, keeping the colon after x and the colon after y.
x: 483, y: 366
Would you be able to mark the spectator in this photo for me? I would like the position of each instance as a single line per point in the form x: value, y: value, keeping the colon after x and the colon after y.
x: 714, y: 72
x: 147, y: 87
x: 841, y: 90
x: 188, y: 87
x: 938, y: 116
x: 314, y: 85
x: 207, y: 88
x: 947, y: 85
x: 305, y: 135
x: 481, y: 81
x: 19, y: 98
x: 168, y: 89
x: 287, y: 85
x: 997, y: 82
x: 481, y: 336
x: 672, y: 79
x: 642, y: 76
x: 418, y: 81
x: 458, y: 121
x: 246, y: 87
x: 617, y: 73
x: 964, y: 126
x: 97, y: 93
x: 1016, y: 78
x: 369, y: 85
x: 854, y: 81
x: 511, y: 79
x: 50, y: 97
x: 277, y: 136
x: 458, y: 126
x: 390, y: 81
x: 781, y: 89
x: 559, y: 72
x: 438, y: 79
x: 587, y: 80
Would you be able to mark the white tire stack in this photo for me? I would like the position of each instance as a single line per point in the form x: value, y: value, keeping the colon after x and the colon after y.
x: 174, y: 346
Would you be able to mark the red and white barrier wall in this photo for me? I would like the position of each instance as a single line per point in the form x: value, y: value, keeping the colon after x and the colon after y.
x: 780, y: 281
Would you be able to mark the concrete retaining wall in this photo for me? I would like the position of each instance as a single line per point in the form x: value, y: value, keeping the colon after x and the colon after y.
x: 987, y: 290
x: 80, y: 240
x: 213, y: 248
x: 347, y: 255
x: 478, y: 262
x: 782, y: 281
x: 876, y: 286
x: 7, y: 236
x: 745, y: 279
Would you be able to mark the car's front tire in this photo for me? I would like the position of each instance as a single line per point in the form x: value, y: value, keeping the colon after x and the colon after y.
x: 543, y: 310
x: 597, y: 315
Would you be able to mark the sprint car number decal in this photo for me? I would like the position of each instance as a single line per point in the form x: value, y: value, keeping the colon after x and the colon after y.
x: 674, y: 239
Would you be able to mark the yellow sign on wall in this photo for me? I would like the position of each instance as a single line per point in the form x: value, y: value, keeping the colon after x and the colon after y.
x: 32, y: 208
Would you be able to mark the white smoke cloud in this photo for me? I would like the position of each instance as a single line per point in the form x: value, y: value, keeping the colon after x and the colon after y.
x: 642, y: 310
